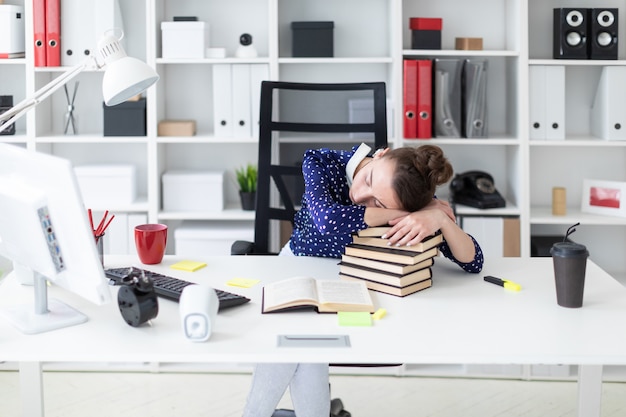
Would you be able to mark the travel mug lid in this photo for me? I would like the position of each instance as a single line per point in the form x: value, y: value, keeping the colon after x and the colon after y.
x: 568, y: 249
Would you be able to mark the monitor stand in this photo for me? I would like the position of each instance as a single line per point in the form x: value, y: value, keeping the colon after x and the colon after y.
x: 45, y: 315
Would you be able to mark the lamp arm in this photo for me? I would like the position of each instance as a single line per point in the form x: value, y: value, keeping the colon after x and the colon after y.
x: 21, y: 108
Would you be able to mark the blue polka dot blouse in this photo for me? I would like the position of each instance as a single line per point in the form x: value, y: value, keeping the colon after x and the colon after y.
x: 324, y: 224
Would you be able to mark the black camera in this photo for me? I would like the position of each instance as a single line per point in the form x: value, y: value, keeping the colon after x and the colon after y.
x: 136, y: 298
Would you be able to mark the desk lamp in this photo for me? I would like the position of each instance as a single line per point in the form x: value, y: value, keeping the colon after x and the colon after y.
x: 124, y: 77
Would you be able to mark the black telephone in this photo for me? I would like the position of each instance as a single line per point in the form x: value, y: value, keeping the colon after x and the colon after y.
x: 475, y: 189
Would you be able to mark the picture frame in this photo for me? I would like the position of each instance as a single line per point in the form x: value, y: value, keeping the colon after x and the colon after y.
x: 604, y: 197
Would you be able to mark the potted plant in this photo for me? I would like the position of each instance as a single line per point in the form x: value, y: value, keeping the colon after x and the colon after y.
x: 247, y: 181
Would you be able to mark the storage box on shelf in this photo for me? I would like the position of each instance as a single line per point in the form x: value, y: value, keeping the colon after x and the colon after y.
x: 205, y: 238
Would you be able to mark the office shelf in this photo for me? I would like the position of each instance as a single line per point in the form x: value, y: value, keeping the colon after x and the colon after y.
x: 371, y: 40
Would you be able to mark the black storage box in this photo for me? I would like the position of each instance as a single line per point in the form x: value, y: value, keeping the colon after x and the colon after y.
x: 312, y: 39
x: 125, y: 119
x: 425, y: 32
x: 6, y: 102
x: 540, y: 245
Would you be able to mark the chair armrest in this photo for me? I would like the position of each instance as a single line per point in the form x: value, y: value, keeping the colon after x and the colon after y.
x: 242, y: 247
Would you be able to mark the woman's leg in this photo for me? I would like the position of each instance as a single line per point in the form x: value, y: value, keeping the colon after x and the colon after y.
x: 269, y: 382
x: 310, y: 391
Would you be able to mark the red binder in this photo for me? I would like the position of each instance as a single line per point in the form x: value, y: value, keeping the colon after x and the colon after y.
x: 424, y: 99
x: 39, y: 32
x: 53, y: 33
x: 410, y: 99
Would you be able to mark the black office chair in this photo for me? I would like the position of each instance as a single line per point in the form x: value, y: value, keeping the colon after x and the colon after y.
x: 313, y: 121
x: 317, y: 115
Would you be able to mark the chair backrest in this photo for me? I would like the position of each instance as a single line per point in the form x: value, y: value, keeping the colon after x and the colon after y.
x: 350, y: 114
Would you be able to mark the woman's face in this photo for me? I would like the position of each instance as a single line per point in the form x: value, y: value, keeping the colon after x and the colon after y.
x: 372, y: 184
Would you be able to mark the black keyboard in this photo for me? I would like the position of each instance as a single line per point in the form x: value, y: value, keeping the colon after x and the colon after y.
x: 170, y: 287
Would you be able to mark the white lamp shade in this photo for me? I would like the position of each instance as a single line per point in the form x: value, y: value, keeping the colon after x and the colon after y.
x: 124, y: 76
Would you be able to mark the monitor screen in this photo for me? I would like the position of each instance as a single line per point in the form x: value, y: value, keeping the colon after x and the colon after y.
x: 45, y: 232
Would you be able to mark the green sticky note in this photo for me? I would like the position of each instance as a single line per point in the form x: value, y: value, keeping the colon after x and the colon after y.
x: 349, y: 318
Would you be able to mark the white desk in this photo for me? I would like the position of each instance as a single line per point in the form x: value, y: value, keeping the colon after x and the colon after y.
x: 460, y: 320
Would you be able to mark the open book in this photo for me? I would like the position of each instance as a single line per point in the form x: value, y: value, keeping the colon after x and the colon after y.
x: 326, y: 296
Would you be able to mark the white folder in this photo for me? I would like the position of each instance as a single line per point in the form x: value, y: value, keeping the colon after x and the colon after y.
x: 537, y: 101
x: 258, y: 73
x: 555, y: 102
x: 222, y: 100
x: 608, y: 119
x: 242, y: 102
x: 83, y: 24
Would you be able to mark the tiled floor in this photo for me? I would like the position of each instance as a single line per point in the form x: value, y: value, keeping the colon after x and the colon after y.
x: 80, y: 394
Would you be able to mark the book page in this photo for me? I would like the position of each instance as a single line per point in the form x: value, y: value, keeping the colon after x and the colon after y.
x: 289, y: 290
x: 343, y: 292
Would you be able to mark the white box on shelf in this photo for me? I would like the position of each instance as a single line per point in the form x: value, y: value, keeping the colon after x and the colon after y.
x: 11, y: 29
x: 205, y: 238
x: 107, y: 185
x: 186, y: 190
x: 184, y: 39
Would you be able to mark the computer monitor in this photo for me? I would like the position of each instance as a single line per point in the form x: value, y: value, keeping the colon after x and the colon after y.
x: 45, y: 231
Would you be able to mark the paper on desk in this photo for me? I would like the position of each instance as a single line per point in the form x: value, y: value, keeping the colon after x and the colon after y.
x: 190, y: 266
x: 242, y: 282
x: 352, y: 318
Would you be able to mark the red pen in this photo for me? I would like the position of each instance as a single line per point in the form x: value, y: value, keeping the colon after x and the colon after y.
x: 106, y: 225
x: 106, y: 213
x: 91, y: 220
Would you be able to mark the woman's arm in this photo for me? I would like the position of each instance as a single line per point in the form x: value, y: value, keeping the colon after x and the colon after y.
x: 415, y: 227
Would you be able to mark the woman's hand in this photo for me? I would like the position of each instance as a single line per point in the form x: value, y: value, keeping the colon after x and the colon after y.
x: 417, y: 226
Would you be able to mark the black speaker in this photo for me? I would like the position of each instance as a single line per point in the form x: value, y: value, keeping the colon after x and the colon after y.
x: 570, y: 33
x: 603, y: 33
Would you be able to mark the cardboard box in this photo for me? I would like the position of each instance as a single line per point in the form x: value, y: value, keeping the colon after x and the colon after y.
x: 12, y: 29
x: 204, y: 238
x: 107, y: 185
x: 177, y: 128
x: 185, y: 190
x: 312, y: 39
x: 468, y: 44
x: 184, y: 39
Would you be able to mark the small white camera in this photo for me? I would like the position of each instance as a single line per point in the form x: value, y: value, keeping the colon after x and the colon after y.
x: 198, y: 306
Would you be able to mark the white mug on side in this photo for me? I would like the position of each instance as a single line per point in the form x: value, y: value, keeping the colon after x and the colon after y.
x: 198, y: 306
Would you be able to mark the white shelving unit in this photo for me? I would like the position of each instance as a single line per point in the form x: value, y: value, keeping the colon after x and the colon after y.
x: 371, y: 39
x: 369, y: 45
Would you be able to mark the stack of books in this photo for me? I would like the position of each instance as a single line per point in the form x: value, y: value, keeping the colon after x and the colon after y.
x: 393, y: 270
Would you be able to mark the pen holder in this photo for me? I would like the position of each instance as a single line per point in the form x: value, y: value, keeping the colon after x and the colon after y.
x: 100, y: 247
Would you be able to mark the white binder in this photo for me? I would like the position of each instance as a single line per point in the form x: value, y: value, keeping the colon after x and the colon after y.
x: 83, y: 22
x: 258, y: 73
x: 608, y: 119
x: 537, y: 101
x: 555, y: 102
x: 242, y: 109
x: 222, y: 100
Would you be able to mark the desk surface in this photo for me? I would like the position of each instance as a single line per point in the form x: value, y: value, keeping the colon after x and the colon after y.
x: 460, y: 319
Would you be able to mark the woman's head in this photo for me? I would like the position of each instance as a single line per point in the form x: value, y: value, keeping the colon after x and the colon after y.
x: 404, y: 178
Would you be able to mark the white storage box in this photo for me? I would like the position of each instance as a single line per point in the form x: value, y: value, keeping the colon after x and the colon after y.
x: 107, y: 185
x: 193, y: 190
x: 184, y: 39
x: 11, y: 29
x: 202, y: 238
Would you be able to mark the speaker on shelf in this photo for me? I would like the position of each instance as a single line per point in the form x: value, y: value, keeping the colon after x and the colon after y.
x: 570, y: 33
x: 603, y: 33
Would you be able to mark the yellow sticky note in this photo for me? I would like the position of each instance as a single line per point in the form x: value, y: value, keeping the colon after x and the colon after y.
x: 190, y: 266
x: 379, y: 314
x: 349, y: 318
x: 242, y: 282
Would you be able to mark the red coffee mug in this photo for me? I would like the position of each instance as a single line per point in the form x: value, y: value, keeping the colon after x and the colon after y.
x: 150, y: 241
